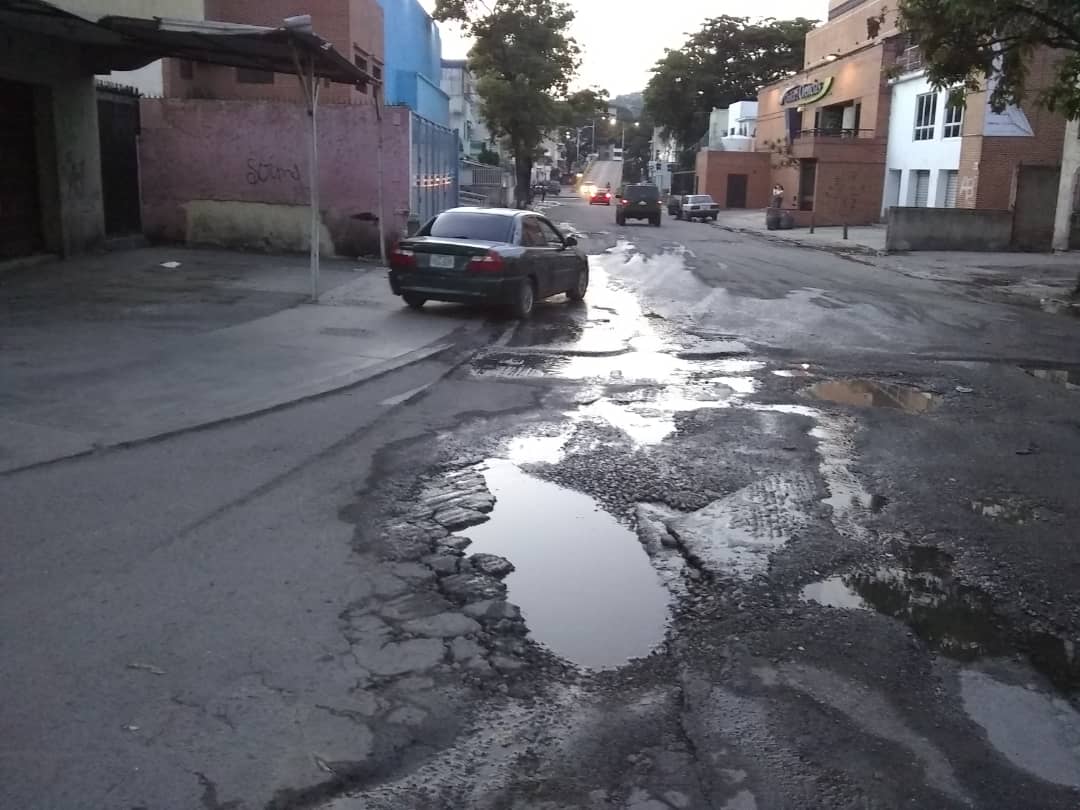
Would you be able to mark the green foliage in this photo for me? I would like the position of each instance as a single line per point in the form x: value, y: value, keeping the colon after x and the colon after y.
x: 728, y: 60
x: 969, y: 43
x: 488, y: 156
x: 524, y: 61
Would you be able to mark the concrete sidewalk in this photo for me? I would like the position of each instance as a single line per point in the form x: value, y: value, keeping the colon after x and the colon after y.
x: 119, y: 348
x: 866, y: 239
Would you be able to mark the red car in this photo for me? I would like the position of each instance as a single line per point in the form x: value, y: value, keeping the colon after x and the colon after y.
x: 600, y: 197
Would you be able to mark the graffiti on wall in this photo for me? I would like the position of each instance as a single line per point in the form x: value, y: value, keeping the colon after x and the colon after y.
x: 966, y: 192
x: 267, y: 170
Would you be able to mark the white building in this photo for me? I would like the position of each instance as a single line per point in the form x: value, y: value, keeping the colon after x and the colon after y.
x: 459, y: 83
x: 734, y: 128
x: 925, y: 135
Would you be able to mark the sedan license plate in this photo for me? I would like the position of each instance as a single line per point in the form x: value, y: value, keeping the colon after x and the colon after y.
x: 445, y: 262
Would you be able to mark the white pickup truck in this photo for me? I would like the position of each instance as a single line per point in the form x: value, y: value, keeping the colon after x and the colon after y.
x: 698, y: 206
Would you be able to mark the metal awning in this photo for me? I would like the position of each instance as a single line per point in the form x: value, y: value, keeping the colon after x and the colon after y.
x: 236, y: 45
x: 127, y: 43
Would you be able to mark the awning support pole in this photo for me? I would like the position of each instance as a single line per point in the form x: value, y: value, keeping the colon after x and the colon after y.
x: 379, y: 178
x: 310, y: 84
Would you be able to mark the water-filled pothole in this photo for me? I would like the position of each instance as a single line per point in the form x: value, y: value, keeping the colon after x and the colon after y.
x: 954, y: 619
x: 871, y: 394
x: 583, y: 582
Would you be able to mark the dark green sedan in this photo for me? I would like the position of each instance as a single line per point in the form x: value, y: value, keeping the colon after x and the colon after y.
x: 494, y: 256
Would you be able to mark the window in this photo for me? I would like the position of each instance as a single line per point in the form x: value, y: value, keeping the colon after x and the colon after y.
x: 187, y: 69
x: 464, y: 225
x: 252, y: 76
x: 550, y: 234
x: 376, y: 72
x: 531, y: 235
x: 954, y: 119
x: 360, y: 60
x: 925, y: 116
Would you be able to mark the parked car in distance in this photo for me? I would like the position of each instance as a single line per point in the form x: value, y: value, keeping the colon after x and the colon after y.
x: 698, y: 206
x: 600, y: 197
x: 495, y: 256
x: 553, y: 188
x: 639, y: 201
x: 674, y: 204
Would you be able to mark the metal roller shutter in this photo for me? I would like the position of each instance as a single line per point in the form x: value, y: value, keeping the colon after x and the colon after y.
x: 922, y: 188
x: 952, y: 181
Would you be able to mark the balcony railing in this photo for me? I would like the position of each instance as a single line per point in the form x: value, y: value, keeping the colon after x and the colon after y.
x: 910, y: 60
x: 838, y: 133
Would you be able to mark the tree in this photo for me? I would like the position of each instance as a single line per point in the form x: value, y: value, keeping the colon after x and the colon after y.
x: 972, y: 44
x: 488, y: 157
x: 728, y: 60
x: 523, y: 60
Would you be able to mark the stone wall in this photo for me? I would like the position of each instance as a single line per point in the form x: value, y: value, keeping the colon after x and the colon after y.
x: 948, y: 229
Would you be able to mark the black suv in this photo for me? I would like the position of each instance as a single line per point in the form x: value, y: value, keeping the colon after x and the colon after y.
x: 639, y: 201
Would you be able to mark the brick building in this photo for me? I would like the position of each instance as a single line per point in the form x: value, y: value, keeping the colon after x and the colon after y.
x: 354, y: 27
x: 826, y: 128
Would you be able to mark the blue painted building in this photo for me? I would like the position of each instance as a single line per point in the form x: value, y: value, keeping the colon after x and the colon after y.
x: 413, y: 51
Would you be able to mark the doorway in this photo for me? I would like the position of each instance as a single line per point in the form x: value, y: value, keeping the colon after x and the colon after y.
x: 807, y: 184
x: 20, y: 206
x: 118, y: 133
x: 736, y: 190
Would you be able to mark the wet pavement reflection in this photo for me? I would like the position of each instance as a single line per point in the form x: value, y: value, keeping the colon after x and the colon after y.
x: 583, y: 582
x: 871, y: 394
x: 954, y: 619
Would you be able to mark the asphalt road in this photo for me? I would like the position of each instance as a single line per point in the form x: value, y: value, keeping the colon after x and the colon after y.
x: 826, y: 506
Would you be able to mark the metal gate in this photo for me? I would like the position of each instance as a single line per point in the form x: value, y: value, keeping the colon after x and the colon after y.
x: 20, y: 206
x: 1035, y: 207
x: 435, y: 165
x: 118, y: 129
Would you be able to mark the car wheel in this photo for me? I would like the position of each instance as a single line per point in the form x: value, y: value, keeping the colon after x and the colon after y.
x: 620, y: 221
x: 578, y: 293
x: 524, y: 300
x: 657, y: 221
x: 414, y: 301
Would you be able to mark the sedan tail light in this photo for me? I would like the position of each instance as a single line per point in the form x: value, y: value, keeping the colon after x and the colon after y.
x: 624, y: 202
x: 401, y: 257
x: 490, y: 262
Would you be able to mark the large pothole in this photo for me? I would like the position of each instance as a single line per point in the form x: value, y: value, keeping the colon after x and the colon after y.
x: 584, y: 585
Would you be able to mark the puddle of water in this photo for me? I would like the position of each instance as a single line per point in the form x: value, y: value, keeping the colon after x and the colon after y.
x: 583, y: 581
x: 1066, y: 377
x: 538, y: 449
x: 834, y: 592
x: 953, y: 619
x: 1037, y: 732
x: 870, y: 394
x: 802, y: 371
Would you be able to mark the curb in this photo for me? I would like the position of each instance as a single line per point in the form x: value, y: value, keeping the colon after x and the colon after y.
x: 839, y: 250
x: 327, y: 387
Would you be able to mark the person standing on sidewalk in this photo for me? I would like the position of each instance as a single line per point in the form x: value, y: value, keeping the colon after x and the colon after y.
x: 777, y: 196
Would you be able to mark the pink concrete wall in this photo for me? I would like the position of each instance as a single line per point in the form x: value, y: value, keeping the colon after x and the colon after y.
x: 256, y: 152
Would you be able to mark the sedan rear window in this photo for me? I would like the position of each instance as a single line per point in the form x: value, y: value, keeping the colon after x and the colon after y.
x: 636, y: 193
x: 699, y: 198
x: 483, y: 227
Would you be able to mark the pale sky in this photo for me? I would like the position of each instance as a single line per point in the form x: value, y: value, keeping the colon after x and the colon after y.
x: 622, y: 39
